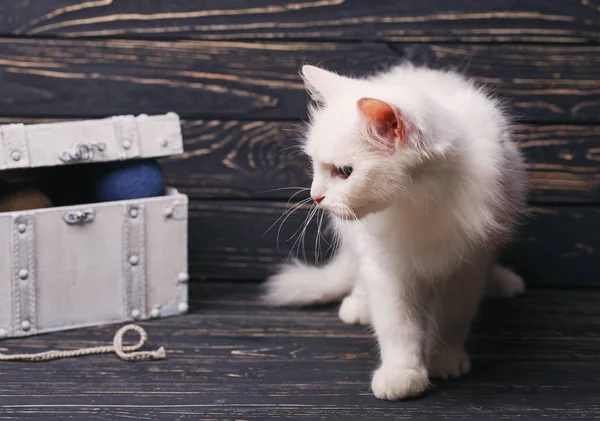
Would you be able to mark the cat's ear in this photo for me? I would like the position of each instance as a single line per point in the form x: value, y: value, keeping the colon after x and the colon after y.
x: 322, y: 84
x: 384, y: 119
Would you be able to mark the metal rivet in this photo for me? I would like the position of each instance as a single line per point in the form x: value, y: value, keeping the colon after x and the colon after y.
x: 16, y: 155
x: 183, y: 277
x: 164, y: 143
x: 134, y: 260
x: 23, y: 273
x: 155, y: 313
x: 3, y: 333
x: 133, y: 212
x: 135, y: 313
x: 22, y: 228
x: 183, y: 307
x: 143, y: 116
x: 169, y: 212
x: 171, y: 114
x: 126, y: 144
x: 25, y: 325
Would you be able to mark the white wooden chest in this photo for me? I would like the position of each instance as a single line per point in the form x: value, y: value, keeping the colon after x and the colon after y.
x: 89, y: 264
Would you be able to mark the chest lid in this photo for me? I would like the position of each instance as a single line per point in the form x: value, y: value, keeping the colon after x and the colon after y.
x: 76, y: 142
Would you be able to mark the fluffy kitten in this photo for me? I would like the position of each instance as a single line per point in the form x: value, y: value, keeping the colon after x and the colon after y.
x: 418, y: 171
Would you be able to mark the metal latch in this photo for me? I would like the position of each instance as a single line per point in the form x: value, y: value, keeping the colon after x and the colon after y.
x: 82, y: 152
x: 79, y: 217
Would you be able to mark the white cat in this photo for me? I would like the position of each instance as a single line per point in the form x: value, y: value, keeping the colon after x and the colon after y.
x: 418, y: 171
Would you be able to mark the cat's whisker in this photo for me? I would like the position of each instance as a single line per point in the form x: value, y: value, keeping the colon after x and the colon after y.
x: 293, y: 209
x: 285, y: 213
x: 301, y: 237
x: 303, y: 223
x: 331, y: 244
x: 318, y: 236
x: 303, y: 234
x: 301, y: 189
x: 297, y: 243
x: 296, y: 194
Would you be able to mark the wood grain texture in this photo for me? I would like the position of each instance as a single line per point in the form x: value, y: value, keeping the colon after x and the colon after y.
x: 261, y: 159
x: 233, y: 359
x: 204, y: 79
x: 563, y: 21
x: 232, y: 240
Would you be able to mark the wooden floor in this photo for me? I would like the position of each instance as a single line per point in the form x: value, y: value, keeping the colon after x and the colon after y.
x: 536, y: 357
x: 229, y: 68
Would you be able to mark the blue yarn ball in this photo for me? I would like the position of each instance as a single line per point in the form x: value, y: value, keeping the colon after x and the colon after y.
x: 128, y: 180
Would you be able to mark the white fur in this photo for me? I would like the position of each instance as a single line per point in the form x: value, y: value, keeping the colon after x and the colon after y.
x: 419, y: 224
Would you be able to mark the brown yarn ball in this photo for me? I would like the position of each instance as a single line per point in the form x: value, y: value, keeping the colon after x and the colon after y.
x: 22, y: 199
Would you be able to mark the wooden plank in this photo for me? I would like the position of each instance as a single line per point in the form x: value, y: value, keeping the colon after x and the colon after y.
x: 260, y: 160
x: 231, y: 358
x: 232, y: 240
x: 203, y: 79
x: 424, y: 21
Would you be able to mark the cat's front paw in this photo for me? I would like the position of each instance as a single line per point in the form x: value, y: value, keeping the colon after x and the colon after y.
x: 393, y: 383
x: 449, y: 363
x: 355, y: 310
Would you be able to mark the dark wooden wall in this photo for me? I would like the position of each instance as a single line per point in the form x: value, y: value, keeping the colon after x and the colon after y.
x: 229, y: 68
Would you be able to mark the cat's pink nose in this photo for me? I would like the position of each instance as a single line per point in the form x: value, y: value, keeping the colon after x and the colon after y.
x: 318, y: 199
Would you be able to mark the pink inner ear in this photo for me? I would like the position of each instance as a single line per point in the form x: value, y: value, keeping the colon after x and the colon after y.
x: 381, y: 114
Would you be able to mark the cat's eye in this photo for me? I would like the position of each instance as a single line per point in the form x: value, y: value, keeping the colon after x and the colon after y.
x: 344, y: 171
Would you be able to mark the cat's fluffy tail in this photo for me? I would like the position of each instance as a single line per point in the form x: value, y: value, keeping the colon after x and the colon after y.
x: 503, y: 282
x: 299, y: 285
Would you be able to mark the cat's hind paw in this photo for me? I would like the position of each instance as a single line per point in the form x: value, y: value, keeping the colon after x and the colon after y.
x: 449, y: 363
